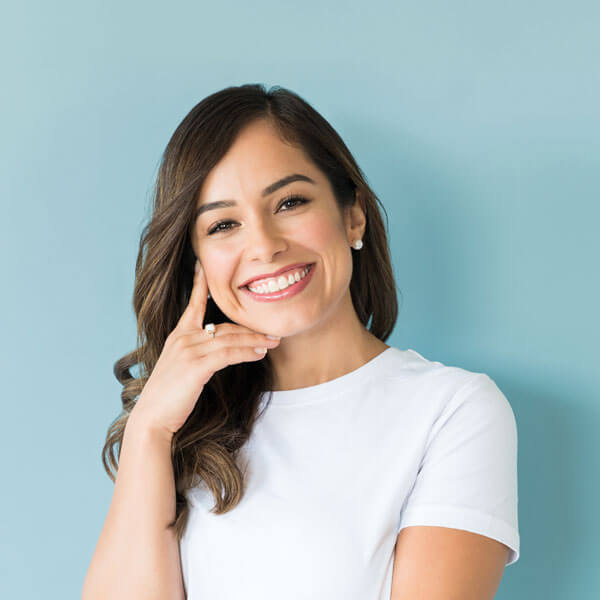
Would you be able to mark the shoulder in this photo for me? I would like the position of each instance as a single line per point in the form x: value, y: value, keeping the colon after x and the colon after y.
x: 410, y: 364
x: 440, y: 390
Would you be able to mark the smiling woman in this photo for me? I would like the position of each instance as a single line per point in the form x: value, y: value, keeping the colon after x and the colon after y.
x: 318, y: 467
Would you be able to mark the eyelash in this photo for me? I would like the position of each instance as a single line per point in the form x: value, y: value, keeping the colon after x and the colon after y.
x: 301, y: 200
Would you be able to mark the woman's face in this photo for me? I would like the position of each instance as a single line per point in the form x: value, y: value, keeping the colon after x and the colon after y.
x: 263, y: 233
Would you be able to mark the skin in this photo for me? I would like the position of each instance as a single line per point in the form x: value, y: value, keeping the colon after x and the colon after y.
x: 443, y: 563
x: 266, y: 236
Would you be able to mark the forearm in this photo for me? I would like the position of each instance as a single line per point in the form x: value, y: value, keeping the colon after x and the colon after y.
x: 137, y: 556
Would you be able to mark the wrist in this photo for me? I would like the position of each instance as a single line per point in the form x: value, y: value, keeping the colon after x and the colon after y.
x: 139, y: 425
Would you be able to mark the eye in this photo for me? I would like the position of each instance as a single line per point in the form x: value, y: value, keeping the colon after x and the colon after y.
x: 293, y: 198
x: 299, y: 200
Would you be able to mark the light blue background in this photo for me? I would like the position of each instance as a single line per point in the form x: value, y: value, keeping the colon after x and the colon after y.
x: 475, y: 122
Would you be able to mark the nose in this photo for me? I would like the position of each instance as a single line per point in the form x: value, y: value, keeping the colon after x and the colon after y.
x: 264, y: 241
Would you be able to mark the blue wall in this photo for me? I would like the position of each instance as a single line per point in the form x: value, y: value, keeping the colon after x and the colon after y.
x: 477, y: 125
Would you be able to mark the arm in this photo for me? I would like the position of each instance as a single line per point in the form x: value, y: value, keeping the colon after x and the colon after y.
x: 137, y: 556
x: 441, y: 563
x: 459, y: 527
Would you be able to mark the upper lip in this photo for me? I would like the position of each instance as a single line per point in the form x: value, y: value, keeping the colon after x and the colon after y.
x: 274, y: 274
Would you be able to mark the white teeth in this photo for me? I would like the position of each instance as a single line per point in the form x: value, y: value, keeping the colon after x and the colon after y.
x: 283, y: 281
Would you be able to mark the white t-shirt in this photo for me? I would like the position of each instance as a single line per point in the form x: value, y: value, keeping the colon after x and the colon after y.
x: 334, y: 471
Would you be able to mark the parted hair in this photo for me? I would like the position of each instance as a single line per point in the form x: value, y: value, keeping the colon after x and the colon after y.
x: 205, y: 449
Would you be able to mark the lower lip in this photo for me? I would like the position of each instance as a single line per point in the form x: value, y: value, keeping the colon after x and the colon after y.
x: 289, y: 291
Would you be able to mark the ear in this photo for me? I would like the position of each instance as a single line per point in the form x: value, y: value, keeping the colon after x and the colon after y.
x: 355, y: 219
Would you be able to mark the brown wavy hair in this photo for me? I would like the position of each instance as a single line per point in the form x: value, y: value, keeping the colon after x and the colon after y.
x: 206, y: 446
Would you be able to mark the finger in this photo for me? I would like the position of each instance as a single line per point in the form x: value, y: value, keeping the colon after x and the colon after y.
x: 227, y: 328
x: 193, y: 315
x: 229, y: 355
x: 234, y: 339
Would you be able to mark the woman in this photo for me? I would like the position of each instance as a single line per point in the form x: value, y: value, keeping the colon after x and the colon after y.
x: 278, y: 448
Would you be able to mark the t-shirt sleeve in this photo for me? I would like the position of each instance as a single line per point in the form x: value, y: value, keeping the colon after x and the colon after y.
x: 467, y: 478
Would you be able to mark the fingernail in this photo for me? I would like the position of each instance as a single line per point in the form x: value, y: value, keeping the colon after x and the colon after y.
x: 273, y: 337
x: 260, y: 350
x: 197, y: 267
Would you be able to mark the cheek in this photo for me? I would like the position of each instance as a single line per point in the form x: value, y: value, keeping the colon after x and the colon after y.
x: 319, y: 233
x: 219, y: 270
x: 327, y: 238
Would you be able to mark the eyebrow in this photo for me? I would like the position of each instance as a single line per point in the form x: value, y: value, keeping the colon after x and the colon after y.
x: 266, y: 192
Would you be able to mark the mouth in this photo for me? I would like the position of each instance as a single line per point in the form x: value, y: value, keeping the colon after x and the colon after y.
x: 259, y: 280
x: 271, y: 292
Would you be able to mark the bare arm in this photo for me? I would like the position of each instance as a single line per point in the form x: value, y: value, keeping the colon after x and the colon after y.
x: 443, y: 563
x: 137, y: 556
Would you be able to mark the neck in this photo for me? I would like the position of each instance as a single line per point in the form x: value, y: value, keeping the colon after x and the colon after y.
x: 331, y: 348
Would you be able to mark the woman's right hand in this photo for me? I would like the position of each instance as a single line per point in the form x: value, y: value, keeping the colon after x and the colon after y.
x: 189, y: 358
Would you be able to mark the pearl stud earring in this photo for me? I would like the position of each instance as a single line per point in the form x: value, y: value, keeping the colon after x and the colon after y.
x: 357, y: 245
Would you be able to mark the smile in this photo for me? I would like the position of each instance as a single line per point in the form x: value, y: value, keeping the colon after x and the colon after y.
x: 284, y: 286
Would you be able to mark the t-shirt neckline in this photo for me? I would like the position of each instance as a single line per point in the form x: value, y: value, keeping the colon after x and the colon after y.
x: 332, y: 387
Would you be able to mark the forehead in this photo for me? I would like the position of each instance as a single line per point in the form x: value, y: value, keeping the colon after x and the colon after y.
x: 256, y: 159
